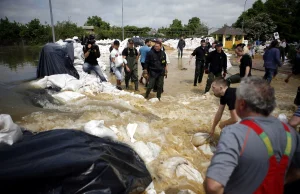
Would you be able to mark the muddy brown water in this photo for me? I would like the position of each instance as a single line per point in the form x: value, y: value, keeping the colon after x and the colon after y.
x: 183, y: 110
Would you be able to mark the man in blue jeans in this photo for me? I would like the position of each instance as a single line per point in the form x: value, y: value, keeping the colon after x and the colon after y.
x: 271, y: 61
x: 91, y: 53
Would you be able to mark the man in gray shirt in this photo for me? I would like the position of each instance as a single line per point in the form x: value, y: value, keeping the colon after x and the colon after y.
x: 244, y: 156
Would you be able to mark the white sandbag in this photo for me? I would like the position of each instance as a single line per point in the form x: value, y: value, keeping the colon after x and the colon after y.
x: 283, y: 118
x: 73, y: 85
x: 78, y: 62
x: 150, y: 189
x: 207, y: 149
x: 143, y: 130
x: 67, y: 96
x: 148, y: 152
x: 119, y: 61
x: 98, y: 129
x: 177, y: 166
x: 189, y: 172
x: 229, y: 65
x: 131, y: 128
x: 42, y: 83
x: 154, y: 100
x: 199, y: 139
x: 143, y: 151
x: 155, y: 149
x: 60, y: 80
x: 10, y: 132
x: 114, y: 129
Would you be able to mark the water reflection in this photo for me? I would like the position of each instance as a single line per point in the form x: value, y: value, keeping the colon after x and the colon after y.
x: 15, y: 57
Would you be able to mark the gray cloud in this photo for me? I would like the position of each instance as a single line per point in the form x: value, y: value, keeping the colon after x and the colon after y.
x: 154, y: 13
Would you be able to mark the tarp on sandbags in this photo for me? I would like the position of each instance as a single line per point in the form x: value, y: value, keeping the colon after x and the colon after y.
x: 57, y: 59
x: 71, y: 161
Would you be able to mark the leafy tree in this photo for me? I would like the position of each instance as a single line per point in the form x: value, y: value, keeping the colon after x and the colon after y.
x: 176, y: 25
x: 257, y: 7
x: 35, y: 33
x: 97, y: 22
x: 193, y: 24
x: 260, y: 27
x: 67, y: 29
x: 9, y: 32
x: 283, y: 14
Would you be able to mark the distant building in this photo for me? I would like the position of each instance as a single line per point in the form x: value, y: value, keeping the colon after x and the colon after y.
x: 211, y: 30
x: 229, y: 36
x: 88, y: 29
x: 152, y: 32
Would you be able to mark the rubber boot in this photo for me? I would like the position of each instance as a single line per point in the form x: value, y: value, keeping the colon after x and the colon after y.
x: 136, y: 86
x: 127, y: 84
x: 147, y: 93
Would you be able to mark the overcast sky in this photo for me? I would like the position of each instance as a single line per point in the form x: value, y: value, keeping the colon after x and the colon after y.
x: 152, y: 13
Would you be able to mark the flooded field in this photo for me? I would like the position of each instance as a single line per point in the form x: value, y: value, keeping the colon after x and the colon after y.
x: 170, y: 123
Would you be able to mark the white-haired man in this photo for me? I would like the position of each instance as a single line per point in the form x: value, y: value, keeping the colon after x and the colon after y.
x: 254, y: 155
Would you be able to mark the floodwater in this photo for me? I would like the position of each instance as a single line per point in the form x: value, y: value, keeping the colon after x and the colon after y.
x: 183, y: 110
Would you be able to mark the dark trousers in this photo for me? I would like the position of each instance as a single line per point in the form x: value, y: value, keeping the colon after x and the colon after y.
x: 210, y: 79
x: 269, y: 74
x: 133, y: 75
x: 199, y: 71
x: 233, y: 79
x: 282, y: 53
x: 180, y: 52
x: 159, y: 82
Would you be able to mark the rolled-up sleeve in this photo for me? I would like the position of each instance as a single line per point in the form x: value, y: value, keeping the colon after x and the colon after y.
x: 225, y: 159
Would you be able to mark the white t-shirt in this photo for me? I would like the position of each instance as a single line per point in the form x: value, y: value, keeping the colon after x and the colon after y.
x: 117, y: 55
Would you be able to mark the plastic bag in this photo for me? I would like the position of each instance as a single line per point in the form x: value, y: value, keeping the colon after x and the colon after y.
x: 71, y: 161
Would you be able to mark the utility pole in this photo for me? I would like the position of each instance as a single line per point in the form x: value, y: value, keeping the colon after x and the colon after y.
x: 51, y: 15
x: 122, y: 21
x: 244, y: 16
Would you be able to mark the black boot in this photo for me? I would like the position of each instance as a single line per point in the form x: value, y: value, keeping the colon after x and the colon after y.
x: 136, y: 86
x: 127, y: 84
x: 147, y: 93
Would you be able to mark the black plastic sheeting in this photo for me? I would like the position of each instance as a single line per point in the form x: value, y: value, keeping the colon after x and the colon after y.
x: 57, y: 59
x: 71, y: 161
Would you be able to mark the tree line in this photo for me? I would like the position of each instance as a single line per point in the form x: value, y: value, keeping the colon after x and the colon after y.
x: 263, y: 19
x: 37, y: 33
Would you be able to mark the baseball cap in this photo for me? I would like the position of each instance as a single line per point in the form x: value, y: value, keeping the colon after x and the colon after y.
x: 219, y: 44
x: 130, y: 41
x: 91, y: 37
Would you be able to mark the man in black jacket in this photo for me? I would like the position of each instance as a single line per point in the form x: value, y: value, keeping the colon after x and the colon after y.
x: 156, y: 65
x: 201, y: 53
x: 180, y: 46
x: 217, y: 61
